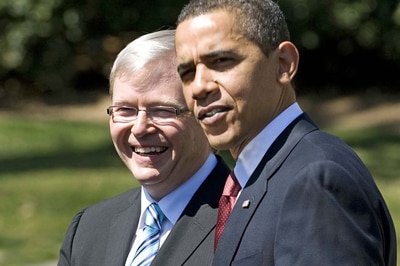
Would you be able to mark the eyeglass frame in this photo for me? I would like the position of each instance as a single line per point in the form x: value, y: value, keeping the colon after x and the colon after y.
x: 176, y: 111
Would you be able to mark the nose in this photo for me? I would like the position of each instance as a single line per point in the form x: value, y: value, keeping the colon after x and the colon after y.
x: 204, y: 83
x: 142, y: 125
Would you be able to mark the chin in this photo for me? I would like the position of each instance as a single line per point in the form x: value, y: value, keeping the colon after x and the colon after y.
x: 145, y: 180
x: 218, y: 142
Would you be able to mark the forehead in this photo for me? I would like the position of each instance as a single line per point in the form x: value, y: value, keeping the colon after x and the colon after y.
x: 155, y: 82
x: 208, y: 31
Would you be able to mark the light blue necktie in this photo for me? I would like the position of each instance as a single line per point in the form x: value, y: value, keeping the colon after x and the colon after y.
x: 147, y: 250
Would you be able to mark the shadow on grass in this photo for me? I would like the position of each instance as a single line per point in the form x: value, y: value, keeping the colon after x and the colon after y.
x: 103, y: 156
x: 378, y: 148
x: 373, y: 139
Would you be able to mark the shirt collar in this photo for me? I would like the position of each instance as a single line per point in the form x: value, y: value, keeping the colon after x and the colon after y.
x: 173, y: 204
x: 252, y: 154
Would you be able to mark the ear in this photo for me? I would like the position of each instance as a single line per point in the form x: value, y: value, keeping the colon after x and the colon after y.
x: 288, y: 62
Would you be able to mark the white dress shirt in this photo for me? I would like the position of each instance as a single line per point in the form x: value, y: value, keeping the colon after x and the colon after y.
x: 252, y: 154
x: 173, y: 204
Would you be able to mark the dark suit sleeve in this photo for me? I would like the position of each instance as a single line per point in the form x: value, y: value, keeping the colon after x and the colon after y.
x: 330, y: 220
x: 66, y: 248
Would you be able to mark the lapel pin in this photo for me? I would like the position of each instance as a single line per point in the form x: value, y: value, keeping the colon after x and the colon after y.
x: 246, y: 204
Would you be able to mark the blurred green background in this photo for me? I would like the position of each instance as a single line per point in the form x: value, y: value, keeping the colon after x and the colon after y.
x: 56, y: 155
x: 58, y: 48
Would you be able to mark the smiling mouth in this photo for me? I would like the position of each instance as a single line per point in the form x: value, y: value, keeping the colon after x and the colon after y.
x: 149, y: 150
x: 212, y: 113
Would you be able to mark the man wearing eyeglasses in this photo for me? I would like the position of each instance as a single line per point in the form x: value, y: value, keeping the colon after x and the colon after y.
x: 166, y: 150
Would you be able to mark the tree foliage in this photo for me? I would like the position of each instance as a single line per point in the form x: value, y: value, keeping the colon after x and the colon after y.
x: 52, y: 47
x: 350, y: 44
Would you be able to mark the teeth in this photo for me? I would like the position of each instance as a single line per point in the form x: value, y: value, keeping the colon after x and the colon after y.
x: 213, y: 112
x: 149, y: 149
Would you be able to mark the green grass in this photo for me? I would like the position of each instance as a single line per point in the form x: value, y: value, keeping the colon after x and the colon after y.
x: 49, y: 170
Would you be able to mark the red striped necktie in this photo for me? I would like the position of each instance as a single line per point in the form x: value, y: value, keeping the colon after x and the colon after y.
x: 226, y: 203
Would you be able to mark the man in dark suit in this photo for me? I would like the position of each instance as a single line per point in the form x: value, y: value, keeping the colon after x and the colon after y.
x: 166, y: 150
x: 305, y: 197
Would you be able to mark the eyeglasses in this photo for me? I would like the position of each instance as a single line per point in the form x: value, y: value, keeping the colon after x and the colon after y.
x: 157, y: 114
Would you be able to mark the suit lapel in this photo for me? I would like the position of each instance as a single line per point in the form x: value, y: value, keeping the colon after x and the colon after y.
x: 187, y: 234
x: 256, y: 188
x: 122, y: 231
x: 196, y: 225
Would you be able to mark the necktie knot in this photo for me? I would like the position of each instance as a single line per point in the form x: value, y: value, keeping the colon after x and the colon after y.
x: 232, y: 186
x: 154, y: 217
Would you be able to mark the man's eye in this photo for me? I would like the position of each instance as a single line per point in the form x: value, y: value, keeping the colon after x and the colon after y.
x: 223, y: 62
x: 125, y: 111
x: 161, y: 112
x: 186, y: 75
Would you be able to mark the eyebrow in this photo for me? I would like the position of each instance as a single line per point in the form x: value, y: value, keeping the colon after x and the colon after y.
x: 185, y: 65
x: 121, y: 103
x: 170, y: 102
x: 218, y: 53
x: 208, y: 56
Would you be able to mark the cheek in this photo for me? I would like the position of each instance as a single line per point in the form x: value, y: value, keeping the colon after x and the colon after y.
x: 188, y: 133
x: 113, y: 130
x: 119, y: 133
x: 237, y: 88
x: 188, y: 98
x: 198, y: 141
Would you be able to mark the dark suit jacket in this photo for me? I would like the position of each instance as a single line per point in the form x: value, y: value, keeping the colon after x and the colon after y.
x: 102, y: 234
x: 312, y: 202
